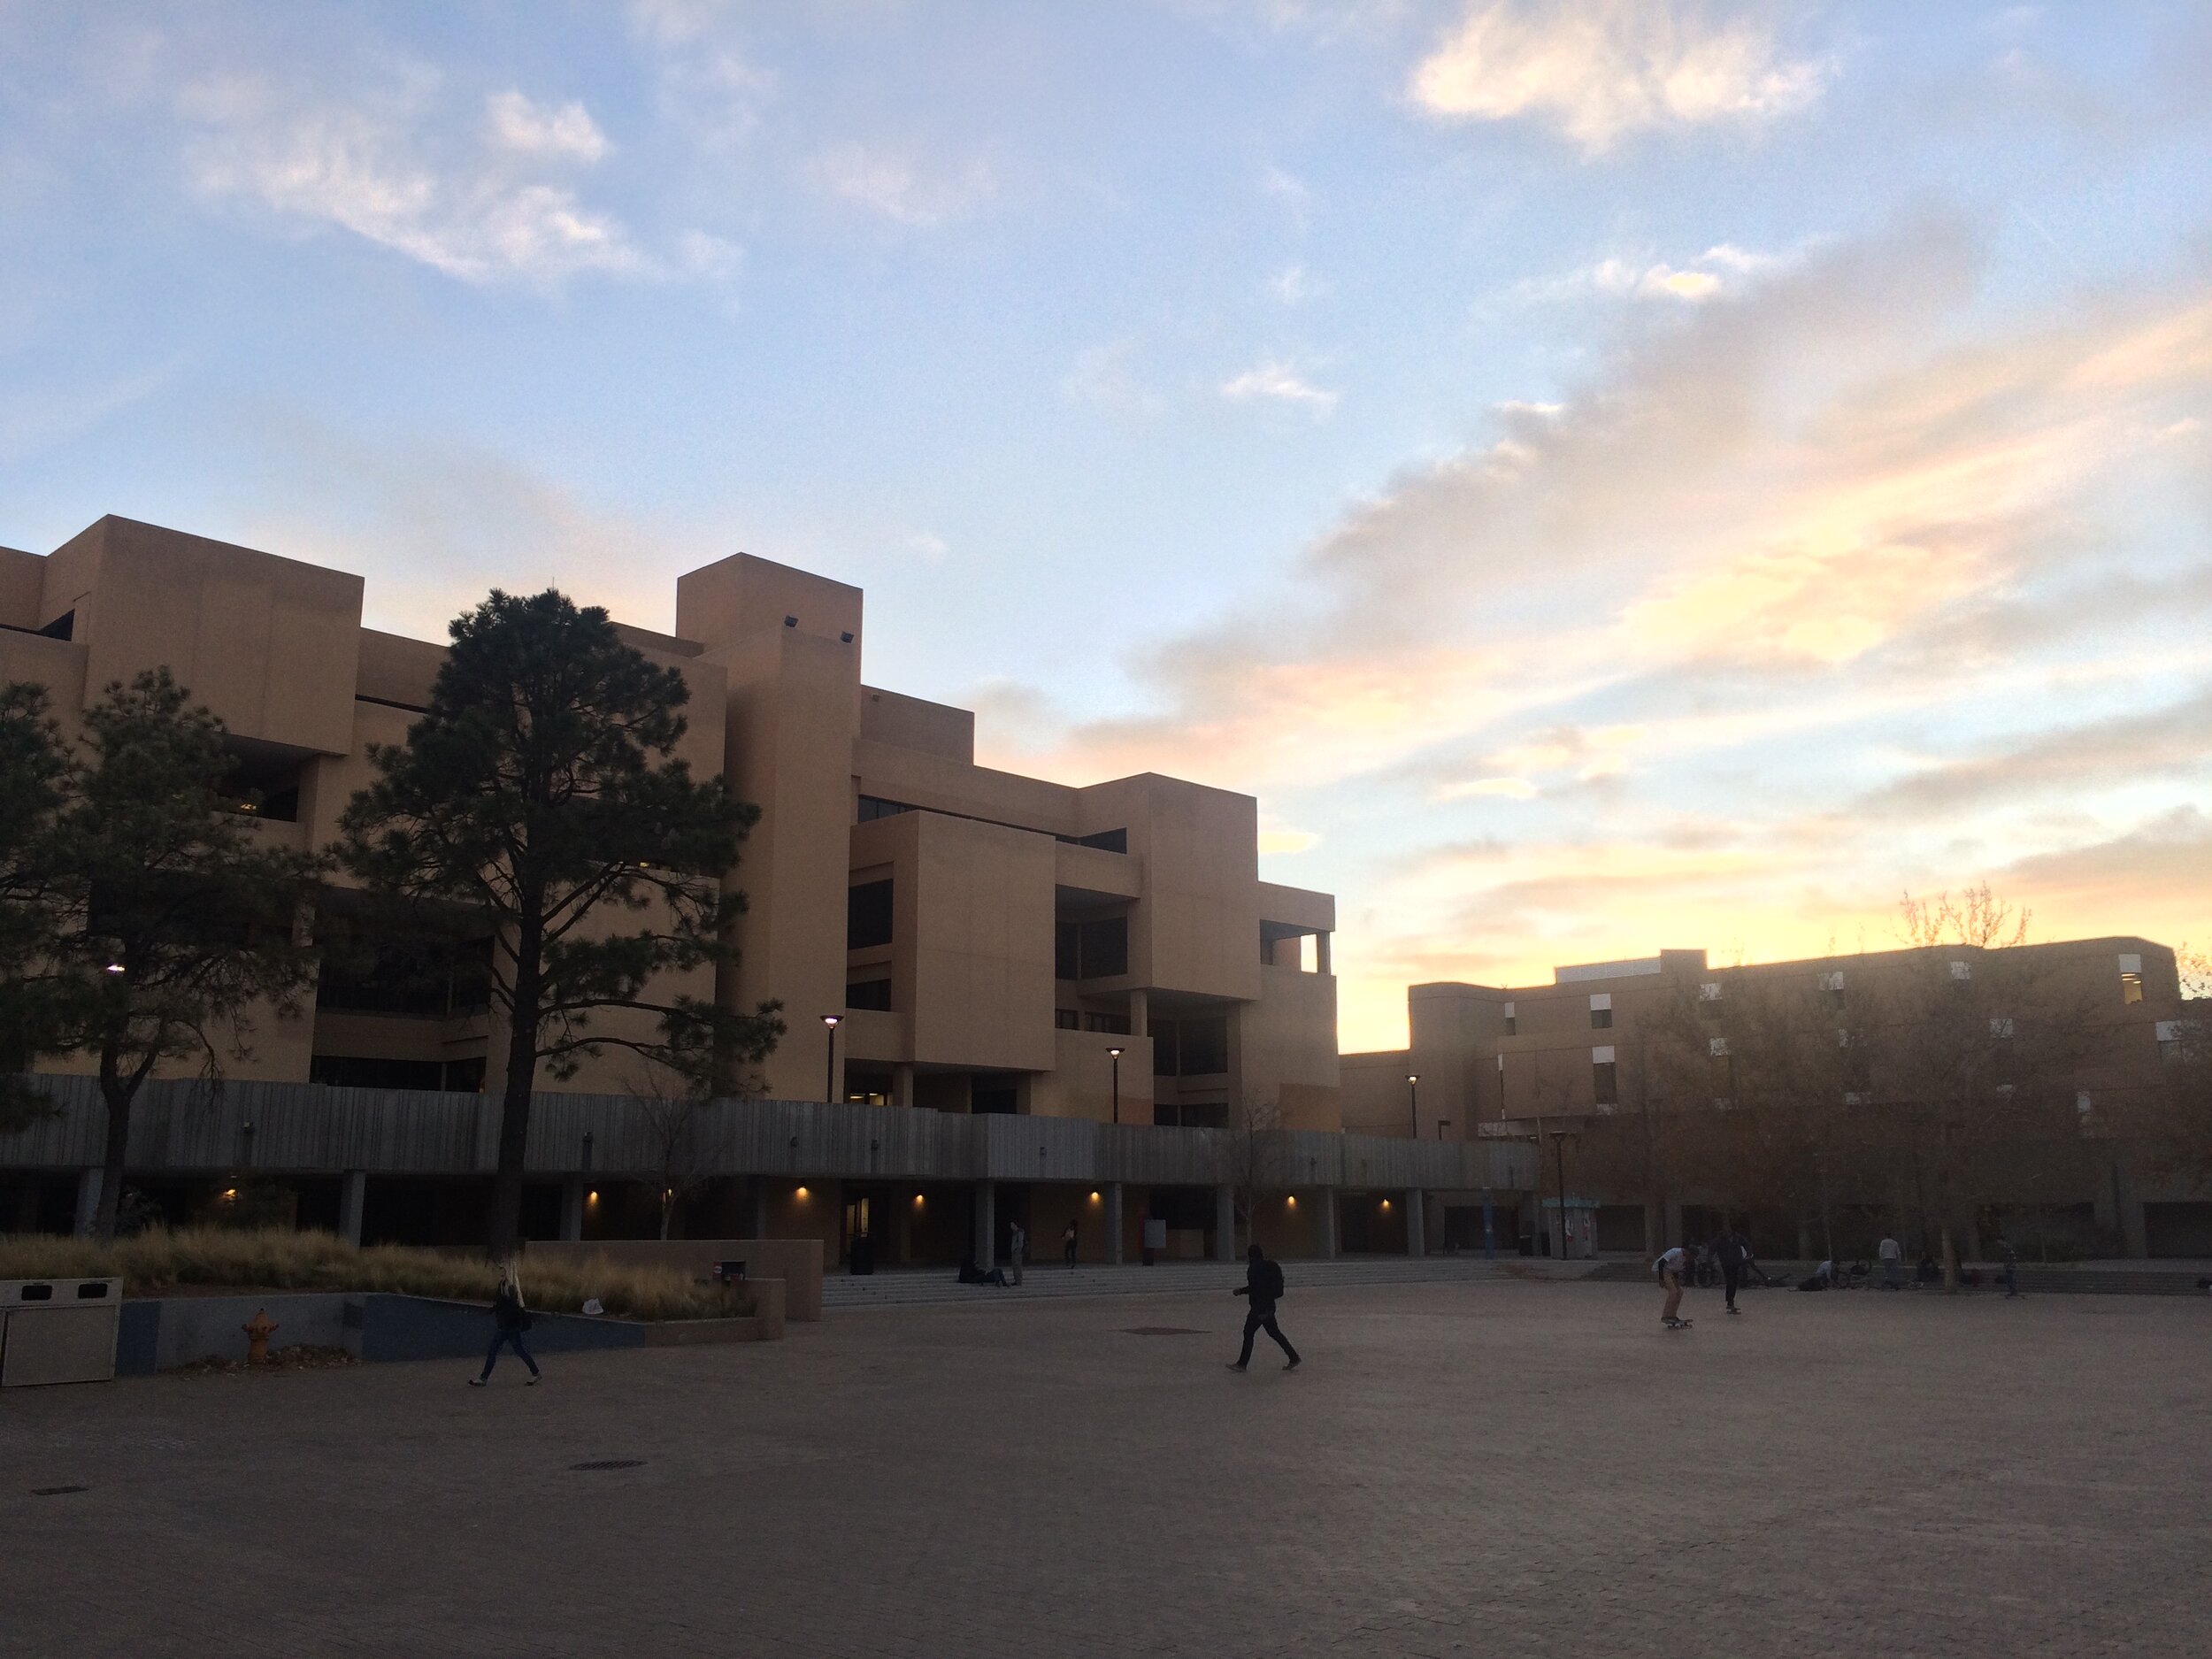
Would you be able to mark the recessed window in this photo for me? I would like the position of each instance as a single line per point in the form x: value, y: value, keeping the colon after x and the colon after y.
x: 868, y: 915
x: 1602, y: 1011
x: 2130, y: 988
x: 1605, y: 1080
x: 1512, y: 1024
x: 1096, y: 950
x: 874, y: 994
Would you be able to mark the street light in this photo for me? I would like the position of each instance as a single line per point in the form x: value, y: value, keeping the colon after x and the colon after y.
x: 1413, y: 1101
x: 829, y: 1075
x: 1115, y: 1054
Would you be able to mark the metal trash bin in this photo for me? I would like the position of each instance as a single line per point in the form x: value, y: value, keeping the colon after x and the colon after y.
x: 59, y: 1330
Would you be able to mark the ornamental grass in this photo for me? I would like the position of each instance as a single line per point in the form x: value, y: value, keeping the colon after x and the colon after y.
x: 160, y: 1260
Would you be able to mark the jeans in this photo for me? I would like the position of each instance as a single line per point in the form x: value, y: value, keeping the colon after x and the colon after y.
x: 1731, y: 1278
x: 508, y: 1339
x: 1259, y: 1319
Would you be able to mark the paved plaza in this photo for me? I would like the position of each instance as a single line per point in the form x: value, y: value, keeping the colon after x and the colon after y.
x: 1460, y: 1468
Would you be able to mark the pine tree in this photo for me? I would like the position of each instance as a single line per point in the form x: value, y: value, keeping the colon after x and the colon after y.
x: 540, y: 791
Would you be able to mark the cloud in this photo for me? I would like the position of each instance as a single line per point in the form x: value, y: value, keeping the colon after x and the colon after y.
x: 900, y: 188
x: 1293, y: 284
x: 376, y: 168
x: 1284, y: 843
x: 1105, y: 375
x: 566, y: 133
x: 1279, y: 382
x: 1599, y: 70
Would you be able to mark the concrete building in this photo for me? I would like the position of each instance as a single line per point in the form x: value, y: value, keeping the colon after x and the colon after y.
x: 1531, y: 1061
x: 941, y: 936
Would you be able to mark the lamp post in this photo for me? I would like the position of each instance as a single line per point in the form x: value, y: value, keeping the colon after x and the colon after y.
x: 829, y: 1075
x: 1413, y: 1101
x: 1115, y: 1055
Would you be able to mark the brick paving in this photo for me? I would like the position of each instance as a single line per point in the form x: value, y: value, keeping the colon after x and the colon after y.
x: 1493, y: 1467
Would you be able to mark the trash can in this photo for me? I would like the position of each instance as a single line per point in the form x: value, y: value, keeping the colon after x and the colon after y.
x: 59, y: 1330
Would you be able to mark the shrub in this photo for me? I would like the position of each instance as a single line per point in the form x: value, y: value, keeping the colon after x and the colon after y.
x: 159, y: 1259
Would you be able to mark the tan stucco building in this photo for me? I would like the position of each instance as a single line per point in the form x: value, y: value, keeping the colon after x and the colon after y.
x: 986, y: 940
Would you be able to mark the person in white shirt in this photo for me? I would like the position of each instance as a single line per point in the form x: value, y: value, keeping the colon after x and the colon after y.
x: 1892, y: 1255
x: 1671, y: 1266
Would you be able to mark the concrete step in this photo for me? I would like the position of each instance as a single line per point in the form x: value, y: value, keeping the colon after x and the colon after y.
x: 907, y: 1286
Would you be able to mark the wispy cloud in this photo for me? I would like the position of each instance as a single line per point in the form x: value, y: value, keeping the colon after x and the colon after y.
x: 1599, y: 70
x: 1278, y: 382
x: 902, y: 188
x: 564, y: 132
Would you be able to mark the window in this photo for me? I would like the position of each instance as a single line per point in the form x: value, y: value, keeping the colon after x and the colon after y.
x: 430, y: 977
x: 1961, y: 970
x: 1113, y: 840
x: 874, y: 994
x: 2001, y: 1027
x: 2130, y: 988
x: 2170, y: 1040
x: 1717, y: 1047
x: 1709, y: 998
x: 1190, y: 1047
x: 1066, y: 1018
x: 873, y: 807
x: 1512, y: 1024
x: 1605, y: 1078
x: 868, y: 915
x: 1832, y: 990
x: 346, y: 1071
x: 1602, y: 1011
x: 1112, y: 1024
x: 1096, y: 949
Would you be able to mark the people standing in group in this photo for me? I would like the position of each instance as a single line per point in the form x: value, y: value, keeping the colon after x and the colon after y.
x: 1067, y: 1244
x: 1733, y: 1250
x: 1016, y: 1246
x: 1262, y: 1288
x: 1673, y: 1262
x: 509, y: 1319
x: 1892, y: 1255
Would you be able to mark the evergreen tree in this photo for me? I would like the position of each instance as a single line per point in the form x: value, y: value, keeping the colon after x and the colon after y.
x: 34, y: 767
x: 541, y: 792
x: 179, y: 922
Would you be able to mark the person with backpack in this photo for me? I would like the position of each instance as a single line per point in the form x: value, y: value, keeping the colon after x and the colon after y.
x: 1672, y: 1265
x: 1262, y: 1287
x: 510, y: 1320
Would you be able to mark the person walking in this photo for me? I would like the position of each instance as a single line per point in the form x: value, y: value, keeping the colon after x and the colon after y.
x: 1017, y: 1246
x: 1892, y: 1255
x: 1262, y: 1288
x: 1672, y: 1265
x: 1735, y: 1250
x: 509, y: 1319
x: 1067, y: 1244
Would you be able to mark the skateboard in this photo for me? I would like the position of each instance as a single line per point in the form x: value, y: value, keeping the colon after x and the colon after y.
x: 1678, y: 1325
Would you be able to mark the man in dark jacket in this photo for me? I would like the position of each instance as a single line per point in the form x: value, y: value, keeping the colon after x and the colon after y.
x: 1264, y: 1286
x: 1735, y: 1250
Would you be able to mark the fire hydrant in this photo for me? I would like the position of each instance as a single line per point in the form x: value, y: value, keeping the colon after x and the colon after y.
x: 258, y: 1330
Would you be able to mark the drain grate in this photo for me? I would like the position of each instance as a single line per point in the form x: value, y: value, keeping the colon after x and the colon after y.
x: 1160, y: 1330
x: 613, y: 1463
x: 55, y: 1491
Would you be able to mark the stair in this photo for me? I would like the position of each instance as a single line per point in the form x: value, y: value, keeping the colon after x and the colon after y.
x: 910, y: 1286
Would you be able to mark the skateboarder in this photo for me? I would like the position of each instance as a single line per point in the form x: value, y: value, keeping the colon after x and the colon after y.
x: 1263, y: 1285
x: 1672, y: 1265
x: 1735, y: 1250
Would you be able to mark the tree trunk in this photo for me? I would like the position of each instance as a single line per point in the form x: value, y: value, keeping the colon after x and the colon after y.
x: 668, y: 1210
x: 118, y: 1096
x: 1950, y: 1260
x: 504, y: 1226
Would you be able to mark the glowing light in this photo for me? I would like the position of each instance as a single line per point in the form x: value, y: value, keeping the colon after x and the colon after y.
x: 800, y: 1194
x: 918, y: 1201
x: 230, y: 1192
x: 1291, y: 1203
x: 1385, y: 1203
x: 592, y: 1197
x: 1094, y: 1197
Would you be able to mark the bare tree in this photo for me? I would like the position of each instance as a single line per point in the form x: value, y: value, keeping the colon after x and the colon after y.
x: 682, y: 1142
x: 1252, y: 1155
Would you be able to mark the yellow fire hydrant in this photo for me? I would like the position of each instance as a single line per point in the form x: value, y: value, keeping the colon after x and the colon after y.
x: 258, y: 1330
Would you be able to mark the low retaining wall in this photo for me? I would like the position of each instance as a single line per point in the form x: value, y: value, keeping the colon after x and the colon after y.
x: 162, y: 1333
x: 797, y: 1261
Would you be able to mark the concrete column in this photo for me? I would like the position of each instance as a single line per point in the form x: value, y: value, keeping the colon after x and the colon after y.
x: 1674, y: 1224
x: 1655, y: 1232
x: 902, y: 1084
x: 353, y: 1198
x: 1321, y: 954
x: 1140, y: 1015
x: 903, y: 1231
x: 573, y: 1211
x: 1116, y: 1223
x: 88, y: 1201
x: 1225, y: 1224
x: 1327, y: 1200
x: 755, y: 1206
x: 985, y: 1242
x: 1416, y: 1223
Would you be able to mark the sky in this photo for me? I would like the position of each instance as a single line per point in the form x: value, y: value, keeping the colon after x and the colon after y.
x: 1607, y: 475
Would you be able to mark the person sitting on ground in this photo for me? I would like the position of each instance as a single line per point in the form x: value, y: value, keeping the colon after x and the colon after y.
x: 971, y: 1274
x: 1927, y: 1272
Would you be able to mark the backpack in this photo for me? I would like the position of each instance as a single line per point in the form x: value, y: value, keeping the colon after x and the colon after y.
x: 1271, y: 1285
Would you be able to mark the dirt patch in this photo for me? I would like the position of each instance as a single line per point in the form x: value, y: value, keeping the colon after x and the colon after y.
x: 299, y: 1356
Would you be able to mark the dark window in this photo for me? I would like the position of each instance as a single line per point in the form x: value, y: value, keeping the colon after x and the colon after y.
x: 1114, y: 841
x: 873, y: 807
x: 1213, y: 1117
x: 62, y: 627
x: 465, y: 1077
x: 874, y: 994
x: 1601, y: 1019
x: 1066, y: 1018
x: 431, y: 977
x: 1114, y: 1025
x: 1096, y: 949
x: 994, y: 1097
x: 1605, y: 1077
x: 868, y: 915
x: 1190, y: 1047
x: 1512, y: 1025
x: 345, y: 1071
